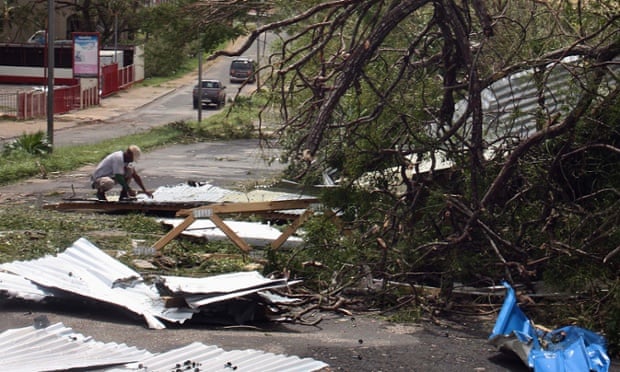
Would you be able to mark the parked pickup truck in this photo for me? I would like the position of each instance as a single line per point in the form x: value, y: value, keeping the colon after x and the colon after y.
x: 213, y: 92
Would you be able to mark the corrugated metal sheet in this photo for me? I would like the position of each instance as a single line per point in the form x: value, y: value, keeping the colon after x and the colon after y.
x: 568, y: 348
x: 254, y: 233
x: 207, y: 193
x: 512, y: 107
x: 60, y: 348
x: 225, y: 283
x: 200, y: 292
x: 202, y: 192
x: 16, y: 286
x: 199, y: 357
x: 85, y: 270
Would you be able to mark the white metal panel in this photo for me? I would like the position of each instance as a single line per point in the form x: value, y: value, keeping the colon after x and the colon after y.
x: 60, y: 348
x: 223, y: 283
x: 17, y: 286
x: 210, y: 358
x: 85, y: 270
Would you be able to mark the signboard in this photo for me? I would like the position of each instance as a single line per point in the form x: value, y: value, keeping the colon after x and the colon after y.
x: 85, y: 54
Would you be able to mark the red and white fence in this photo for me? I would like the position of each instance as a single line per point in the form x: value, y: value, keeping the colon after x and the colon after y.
x: 33, y: 104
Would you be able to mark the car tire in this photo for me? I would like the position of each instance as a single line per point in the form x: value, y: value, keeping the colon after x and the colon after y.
x: 195, y: 104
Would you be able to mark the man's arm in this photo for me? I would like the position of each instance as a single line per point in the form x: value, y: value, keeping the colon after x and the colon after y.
x: 138, y: 180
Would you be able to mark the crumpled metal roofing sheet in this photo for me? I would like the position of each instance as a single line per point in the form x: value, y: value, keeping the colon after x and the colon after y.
x: 254, y: 233
x: 511, y: 105
x: 86, y: 270
x: 225, y: 283
x: 207, y: 193
x: 205, y: 291
x: 60, y: 348
x: 565, y: 349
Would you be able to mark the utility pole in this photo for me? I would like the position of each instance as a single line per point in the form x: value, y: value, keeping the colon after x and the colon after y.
x: 257, y: 50
x: 50, y: 72
x: 115, y: 34
x: 200, y: 85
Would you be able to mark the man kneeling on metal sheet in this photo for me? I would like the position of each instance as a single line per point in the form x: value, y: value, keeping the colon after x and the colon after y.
x: 118, y: 168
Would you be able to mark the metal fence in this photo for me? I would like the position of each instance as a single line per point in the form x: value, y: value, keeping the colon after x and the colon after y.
x: 8, y: 104
x: 33, y: 104
x: 114, y: 79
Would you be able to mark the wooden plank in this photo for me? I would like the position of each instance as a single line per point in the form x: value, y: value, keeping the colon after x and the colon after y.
x: 252, y: 207
x: 291, y: 229
x: 112, y: 206
x: 174, y: 232
x: 230, y: 233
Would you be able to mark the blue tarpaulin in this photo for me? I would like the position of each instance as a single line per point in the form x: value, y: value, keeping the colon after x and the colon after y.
x: 566, y: 349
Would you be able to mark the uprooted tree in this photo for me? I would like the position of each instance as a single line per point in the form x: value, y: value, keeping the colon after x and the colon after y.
x: 472, y: 141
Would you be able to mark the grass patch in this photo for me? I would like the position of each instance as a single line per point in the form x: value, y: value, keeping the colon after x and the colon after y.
x: 28, y: 233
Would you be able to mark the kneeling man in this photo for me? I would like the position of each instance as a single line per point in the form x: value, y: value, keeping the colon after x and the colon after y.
x: 118, y: 168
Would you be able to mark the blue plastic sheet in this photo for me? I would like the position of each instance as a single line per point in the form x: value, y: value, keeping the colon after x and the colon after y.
x: 566, y: 349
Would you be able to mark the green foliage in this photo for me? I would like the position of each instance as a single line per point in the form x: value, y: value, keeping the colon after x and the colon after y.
x: 172, y: 40
x: 30, y: 143
x: 328, y: 258
x: 370, y: 116
x: 236, y: 122
x: 29, y: 233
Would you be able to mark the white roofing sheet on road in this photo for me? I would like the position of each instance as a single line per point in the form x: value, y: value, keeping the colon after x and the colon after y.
x: 57, y: 347
x: 205, y: 291
x: 200, y: 357
x: 184, y: 192
x: 85, y: 270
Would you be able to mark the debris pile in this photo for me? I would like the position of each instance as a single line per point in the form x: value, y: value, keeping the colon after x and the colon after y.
x: 86, y: 271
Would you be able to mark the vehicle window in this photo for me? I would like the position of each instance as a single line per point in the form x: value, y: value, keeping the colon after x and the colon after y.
x: 241, y: 65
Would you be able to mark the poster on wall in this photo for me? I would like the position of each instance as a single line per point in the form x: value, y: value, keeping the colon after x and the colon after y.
x: 85, y: 54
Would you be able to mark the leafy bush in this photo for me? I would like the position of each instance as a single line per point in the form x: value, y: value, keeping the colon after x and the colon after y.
x: 33, y: 143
